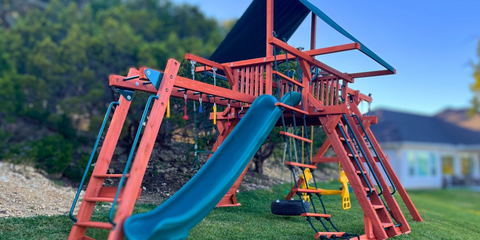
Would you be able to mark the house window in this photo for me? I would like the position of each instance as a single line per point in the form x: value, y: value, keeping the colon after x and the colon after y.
x: 422, y: 160
x: 411, y: 163
x: 433, y: 164
x: 447, y: 164
x: 465, y: 163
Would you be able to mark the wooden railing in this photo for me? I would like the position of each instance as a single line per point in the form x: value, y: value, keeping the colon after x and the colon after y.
x: 251, y: 80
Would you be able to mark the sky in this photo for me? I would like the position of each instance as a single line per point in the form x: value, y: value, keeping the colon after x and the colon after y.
x: 430, y: 43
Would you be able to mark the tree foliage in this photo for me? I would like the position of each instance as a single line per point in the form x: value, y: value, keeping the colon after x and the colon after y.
x: 55, y: 61
x: 475, y: 86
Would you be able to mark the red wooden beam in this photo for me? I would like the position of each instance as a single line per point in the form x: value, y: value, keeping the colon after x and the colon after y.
x: 372, y: 74
x: 284, y: 46
x: 184, y: 83
x: 312, y: 53
x: 287, y: 78
x: 210, y: 63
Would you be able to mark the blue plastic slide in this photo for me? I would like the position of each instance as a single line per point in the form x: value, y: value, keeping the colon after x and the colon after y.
x: 174, y: 218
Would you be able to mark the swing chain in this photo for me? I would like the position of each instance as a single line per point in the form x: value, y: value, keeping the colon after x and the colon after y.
x: 193, y: 68
x: 214, y: 76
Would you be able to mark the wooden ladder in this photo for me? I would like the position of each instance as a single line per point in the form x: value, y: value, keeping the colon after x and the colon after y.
x: 95, y: 191
x: 357, y: 162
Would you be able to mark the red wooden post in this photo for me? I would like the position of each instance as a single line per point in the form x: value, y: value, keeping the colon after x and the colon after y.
x: 313, y: 33
x: 102, y: 165
x: 139, y: 165
x: 268, y: 85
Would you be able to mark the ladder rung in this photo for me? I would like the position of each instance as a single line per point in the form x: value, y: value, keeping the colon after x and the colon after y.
x: 301, y: 190
x: 387, y: 225
x: 90, y: 224
x: 295, y: 136
x: 351, y: 155
x: 300, y: 165
x: 377, y: 206
x: 360, y: 172
x: 100, y: 199
x: 110, y: 175
x: 290, y: 107
x: 368, y: 189
x: 316, y: 215
x: 329, y: 234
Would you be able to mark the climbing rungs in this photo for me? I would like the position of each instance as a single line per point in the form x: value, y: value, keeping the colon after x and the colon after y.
x: 351, y: 155
x: 316, y: 215
x: 107, y: 194
x: 102, y: 225
x: 377, y: 206
x: 109, y: 175
x: 295, y: 136
x: 287, y: 78
x: 387, y: 225
x: 328, y: 234
x: 308, y: 191
x: 360, y: 172
x: 290, y: 108
x: 368, y: 189
x: 100, y: 199
x: 300, y: 165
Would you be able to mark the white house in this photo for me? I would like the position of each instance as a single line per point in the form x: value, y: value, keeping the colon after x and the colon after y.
x: 429, y: 152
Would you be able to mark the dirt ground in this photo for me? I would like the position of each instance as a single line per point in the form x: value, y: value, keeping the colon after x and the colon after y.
x: 25, y: 192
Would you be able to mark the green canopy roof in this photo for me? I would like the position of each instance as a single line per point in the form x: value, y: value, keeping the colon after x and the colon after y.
x: 247, y: 39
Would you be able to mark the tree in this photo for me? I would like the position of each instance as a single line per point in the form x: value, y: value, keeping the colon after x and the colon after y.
x: 475, y: 86
x: 55, y: 61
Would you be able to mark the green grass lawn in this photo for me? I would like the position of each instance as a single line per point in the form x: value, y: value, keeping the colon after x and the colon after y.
x: 447, y: 214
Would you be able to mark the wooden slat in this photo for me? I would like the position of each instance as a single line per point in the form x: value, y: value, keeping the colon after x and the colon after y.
x: 377, y: 206
x: 235, y: 80
x: 295, y: 136
x: 242, y: 80
x: 316, y: 215
x: 327, y: 92
x: 90, y: 224
x: 262, y: 80
x: 252, y: 80
x: 256, y: 78
x: 278, y: 104
x: 300, y: 165
x: 322, y: 90
x: 247, y: 80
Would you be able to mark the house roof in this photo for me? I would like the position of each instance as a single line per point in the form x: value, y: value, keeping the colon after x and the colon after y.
x: 247, y: 39
x: 406, y: 127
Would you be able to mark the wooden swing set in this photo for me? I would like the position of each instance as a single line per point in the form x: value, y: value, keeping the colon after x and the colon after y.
x: 326, y: 100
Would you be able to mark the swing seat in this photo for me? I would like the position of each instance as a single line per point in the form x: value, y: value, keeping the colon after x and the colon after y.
x: 344, y: 193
